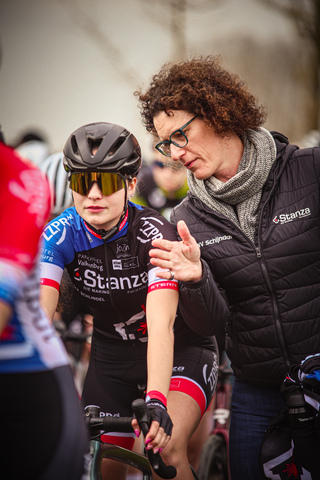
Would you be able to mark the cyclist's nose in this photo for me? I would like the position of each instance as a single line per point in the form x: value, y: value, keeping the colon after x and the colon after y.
x: 95, y: 191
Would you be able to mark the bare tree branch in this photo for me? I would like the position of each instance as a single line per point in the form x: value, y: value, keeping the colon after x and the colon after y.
x: 305, y: 15
x: 173, y: 17
x: 110, y: 51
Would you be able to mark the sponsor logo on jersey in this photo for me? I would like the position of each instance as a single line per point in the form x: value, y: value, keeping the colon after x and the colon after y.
x: 290, y: 217
x: 122, y: 248
x: 93, y: 280
x: 77, y: 275
x: 149, y: 230
x: 57, y: 227
x: 125, y: 264
x: 134, y: 328
x: 85, y: 260
x: 211, y: 241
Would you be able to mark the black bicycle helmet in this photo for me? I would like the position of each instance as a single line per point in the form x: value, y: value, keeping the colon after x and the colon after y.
x: 117, y: 149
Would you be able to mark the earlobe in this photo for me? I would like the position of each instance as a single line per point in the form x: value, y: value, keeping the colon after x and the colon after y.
x: 132, y: 187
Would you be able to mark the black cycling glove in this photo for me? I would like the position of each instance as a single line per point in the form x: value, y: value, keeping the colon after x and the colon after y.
x: 159, y: 413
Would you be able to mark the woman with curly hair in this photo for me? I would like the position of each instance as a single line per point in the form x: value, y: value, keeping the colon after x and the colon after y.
x: 249, y: 229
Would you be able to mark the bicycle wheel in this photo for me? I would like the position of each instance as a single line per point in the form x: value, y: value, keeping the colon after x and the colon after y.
x: 214, y: 460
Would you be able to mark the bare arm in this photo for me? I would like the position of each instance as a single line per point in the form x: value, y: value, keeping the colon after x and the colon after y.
x: 161, y: 312
x: 5, y: 314
x: 49, y: 297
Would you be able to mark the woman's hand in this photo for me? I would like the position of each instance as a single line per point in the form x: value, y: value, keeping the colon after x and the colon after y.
x: 160, y: 429
x: 180, y: 258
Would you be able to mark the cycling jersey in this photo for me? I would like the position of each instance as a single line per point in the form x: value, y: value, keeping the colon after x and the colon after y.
x: 28, y: 342
x: 113, y: 277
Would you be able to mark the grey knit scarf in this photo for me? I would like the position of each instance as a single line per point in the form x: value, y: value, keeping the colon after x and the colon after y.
x: 239, y: 197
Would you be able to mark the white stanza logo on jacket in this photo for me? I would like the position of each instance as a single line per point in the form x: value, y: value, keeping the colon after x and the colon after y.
x: 290, y: 217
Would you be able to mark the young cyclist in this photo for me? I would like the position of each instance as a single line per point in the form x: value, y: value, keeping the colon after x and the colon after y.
x: 139, y: 339
x: 43, y: 432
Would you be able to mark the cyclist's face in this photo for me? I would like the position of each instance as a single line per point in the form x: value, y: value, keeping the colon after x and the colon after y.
x: 102, y: 212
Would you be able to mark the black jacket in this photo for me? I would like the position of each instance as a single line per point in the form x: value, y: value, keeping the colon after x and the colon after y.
x: 272, y: 286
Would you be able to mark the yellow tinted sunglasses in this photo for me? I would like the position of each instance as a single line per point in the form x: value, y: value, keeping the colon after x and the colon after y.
x: 109, y: 183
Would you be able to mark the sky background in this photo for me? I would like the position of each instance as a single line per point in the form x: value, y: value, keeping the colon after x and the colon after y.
x: 70, y: 62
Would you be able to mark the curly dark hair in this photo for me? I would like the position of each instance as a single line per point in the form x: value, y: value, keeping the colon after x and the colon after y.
x: 201, y: 86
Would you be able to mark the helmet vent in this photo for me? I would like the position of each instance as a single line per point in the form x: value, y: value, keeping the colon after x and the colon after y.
x: 94, y: 144
x: 74, y: 145
x: 116, y: 146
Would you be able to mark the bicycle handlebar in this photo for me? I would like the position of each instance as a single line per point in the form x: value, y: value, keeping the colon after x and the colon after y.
x: 96, y: 423
x: 110, y: 424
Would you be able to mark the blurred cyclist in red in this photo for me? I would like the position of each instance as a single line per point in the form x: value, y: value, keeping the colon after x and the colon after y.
x: 37, y: 388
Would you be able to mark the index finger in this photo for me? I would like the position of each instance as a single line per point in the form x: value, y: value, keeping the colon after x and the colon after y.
x: 162, y: 243
x: 152, y: 432
x: 184, y: 233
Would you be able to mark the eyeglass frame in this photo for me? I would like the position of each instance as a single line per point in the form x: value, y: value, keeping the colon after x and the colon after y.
x: 168, y: 142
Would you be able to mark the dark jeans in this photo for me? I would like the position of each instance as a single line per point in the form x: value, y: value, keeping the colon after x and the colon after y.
x: 251, y: 411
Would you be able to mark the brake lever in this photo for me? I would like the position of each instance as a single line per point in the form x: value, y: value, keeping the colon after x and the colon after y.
x: 144, y: 419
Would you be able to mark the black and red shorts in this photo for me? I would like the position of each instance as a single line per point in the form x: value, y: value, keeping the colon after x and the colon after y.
x: 117, y: 375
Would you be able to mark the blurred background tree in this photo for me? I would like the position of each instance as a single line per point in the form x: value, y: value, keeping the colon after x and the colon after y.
x: 305, y: 15
x: 70, y: 62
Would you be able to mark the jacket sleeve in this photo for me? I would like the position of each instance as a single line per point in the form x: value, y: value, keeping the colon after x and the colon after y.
x: 202, y: 305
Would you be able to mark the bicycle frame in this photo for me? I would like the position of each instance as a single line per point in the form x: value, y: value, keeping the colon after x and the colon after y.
x: 99, y: 450
x: 133, y: 459
x: 214, y: 461
x: 221, y: 414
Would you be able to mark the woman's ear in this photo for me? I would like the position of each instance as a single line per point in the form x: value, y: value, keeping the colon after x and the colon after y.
x: 132, y: 187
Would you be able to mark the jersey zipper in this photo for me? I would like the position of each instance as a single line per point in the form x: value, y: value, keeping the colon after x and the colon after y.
x: 111, y: 295
x: 108, y: 274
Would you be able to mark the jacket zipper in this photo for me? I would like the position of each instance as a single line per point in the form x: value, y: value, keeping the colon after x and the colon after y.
x: 275, y: 309
x: 265, y: 273
x: 266, y: 276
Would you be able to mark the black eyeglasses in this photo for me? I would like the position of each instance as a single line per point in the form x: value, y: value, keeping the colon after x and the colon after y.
x: 109, y: 183
x: 178, y: 138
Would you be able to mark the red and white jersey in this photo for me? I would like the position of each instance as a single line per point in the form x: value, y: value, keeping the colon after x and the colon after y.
x: 28, y: 342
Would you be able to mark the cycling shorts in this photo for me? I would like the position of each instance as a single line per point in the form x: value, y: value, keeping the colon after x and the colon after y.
x: 117, y: 375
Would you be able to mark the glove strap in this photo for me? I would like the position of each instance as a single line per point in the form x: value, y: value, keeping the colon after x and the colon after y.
x: 155, y: 395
